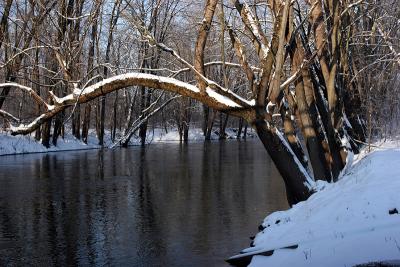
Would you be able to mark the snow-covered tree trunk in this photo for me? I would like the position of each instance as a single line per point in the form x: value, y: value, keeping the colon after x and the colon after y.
x: 298, y: 183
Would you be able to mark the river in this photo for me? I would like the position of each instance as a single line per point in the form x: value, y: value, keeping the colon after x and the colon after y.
x: 162, y: 205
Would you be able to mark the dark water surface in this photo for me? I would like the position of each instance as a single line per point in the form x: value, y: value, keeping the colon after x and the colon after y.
x: 164, y: 205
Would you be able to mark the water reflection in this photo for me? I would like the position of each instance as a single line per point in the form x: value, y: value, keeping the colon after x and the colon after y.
x: 162, y: 205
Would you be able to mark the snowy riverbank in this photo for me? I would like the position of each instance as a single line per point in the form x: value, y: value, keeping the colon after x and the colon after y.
x: 10, y: 145
x: 353, y: 221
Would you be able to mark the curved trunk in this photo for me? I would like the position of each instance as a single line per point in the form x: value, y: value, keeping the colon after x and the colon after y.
x: 299, y: 185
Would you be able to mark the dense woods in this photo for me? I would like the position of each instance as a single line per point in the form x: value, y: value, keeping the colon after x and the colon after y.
x: 316, y: 79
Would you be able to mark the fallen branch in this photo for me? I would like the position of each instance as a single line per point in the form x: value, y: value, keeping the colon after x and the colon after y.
x: 139, y: 122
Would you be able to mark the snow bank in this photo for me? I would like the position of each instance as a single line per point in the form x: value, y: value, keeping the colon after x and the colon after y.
x: 353, y: 221
x: 195, y: 134
x: 27, y: 144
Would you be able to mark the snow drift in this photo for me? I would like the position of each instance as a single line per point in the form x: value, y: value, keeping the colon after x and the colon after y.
x: 353, y: 221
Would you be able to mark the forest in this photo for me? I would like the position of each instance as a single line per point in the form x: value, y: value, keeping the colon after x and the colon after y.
x: 316, y: 80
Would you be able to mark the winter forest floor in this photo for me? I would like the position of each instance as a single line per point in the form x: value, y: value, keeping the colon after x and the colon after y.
x: 354, y: 221
x: 27, y: 144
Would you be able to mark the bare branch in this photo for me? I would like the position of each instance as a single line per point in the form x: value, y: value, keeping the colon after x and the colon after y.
x: 140, y: 121
x: 8, y: 116
x: 253, y: 26
x: 29, y: 90
x: 209, y: 83
x: 388, y: 42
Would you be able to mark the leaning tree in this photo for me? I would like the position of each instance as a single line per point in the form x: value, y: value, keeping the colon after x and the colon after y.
x: 302, y: 97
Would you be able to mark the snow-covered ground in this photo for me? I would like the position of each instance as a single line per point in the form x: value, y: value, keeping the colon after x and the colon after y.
x: 27, y: 144
x: 353, y: 221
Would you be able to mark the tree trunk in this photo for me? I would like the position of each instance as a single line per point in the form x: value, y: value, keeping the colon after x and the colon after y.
x: 36, y: 77
x: 101, y: 119
x: 333, y: 142
x: 4, y: 20
x: 206, y: 112
x: 210, y: 124
x: 245, y: 130
x: 114, y: 122
x: 298, y: 183
x: 143, y: 127
x: 114, y: 18
x: 46, y: 133
x: 222, y: 125
x: 130, y: 119
x: 240, y: 127
x: 86, y: 123
x: 291, y: 136
x: 76, y: 122
x: 58, y: 125
x: 185, y: 132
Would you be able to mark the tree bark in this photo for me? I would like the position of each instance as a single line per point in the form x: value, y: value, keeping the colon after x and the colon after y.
x: 114, y: 18
x: 299, y: 185
x: 90, y: 73
x: 4, y: 20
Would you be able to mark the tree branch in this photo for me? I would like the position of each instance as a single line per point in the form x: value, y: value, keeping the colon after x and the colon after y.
x: 29, y: 90
x: 211, y: 98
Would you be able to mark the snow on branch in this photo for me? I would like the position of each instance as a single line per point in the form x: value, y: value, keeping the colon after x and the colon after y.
x: 388, y: 42
x: 252, y: 24
x: 297, y: 74
x: 29, y: 90
x: 212, y: 98
x: 209, y: 83
x: 24, y: 51
x: 8, y: 116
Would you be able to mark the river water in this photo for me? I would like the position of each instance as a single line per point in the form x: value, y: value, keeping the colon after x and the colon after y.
x: 162, y: 205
